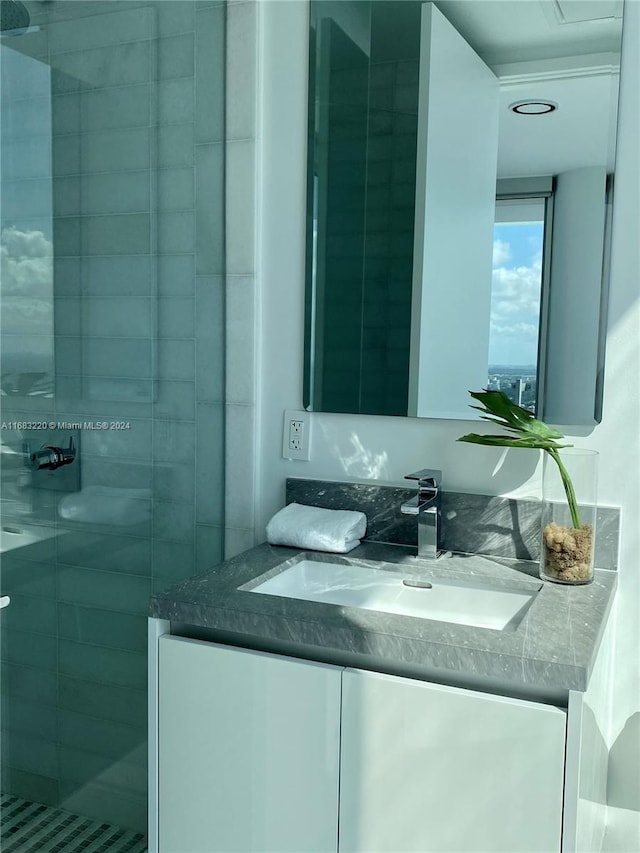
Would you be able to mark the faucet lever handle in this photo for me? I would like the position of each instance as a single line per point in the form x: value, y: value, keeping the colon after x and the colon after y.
x: 426, y: 477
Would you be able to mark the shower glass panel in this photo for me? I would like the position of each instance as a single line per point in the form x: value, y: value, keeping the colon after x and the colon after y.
x: 112, y: 321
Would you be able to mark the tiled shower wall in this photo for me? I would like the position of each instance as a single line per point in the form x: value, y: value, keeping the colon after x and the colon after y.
x: 241, y: 288
x: 136, y: 182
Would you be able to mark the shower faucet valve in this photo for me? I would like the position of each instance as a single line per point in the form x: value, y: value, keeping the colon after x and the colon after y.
x: 53, y: 457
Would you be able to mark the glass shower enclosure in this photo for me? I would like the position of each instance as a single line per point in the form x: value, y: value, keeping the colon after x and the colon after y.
x: 112, y: 378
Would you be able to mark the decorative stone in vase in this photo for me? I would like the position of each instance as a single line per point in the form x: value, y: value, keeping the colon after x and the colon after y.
x: 569, y: 505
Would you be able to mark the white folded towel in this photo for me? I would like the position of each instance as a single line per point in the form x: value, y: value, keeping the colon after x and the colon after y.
x: 337, y: 530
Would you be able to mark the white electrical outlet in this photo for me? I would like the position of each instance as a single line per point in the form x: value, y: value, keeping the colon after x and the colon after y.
x: 296, y: 435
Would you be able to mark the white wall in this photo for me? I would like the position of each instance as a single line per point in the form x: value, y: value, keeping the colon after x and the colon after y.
x: 349, y: 447
x: 618, y: 438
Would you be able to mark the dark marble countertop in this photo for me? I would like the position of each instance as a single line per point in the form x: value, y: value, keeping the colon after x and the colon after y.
x: 550, y: 651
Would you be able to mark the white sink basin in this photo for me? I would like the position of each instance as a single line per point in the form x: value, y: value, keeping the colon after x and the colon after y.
x: 466, y: 603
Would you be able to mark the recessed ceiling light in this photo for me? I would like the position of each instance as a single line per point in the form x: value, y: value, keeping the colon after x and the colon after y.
x: 533, y: 108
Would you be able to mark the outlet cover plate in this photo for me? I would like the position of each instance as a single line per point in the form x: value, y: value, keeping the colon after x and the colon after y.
x: 296, y: 435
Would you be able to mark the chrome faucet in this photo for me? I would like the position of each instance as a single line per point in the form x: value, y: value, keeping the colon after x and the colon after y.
x: 426, y: 505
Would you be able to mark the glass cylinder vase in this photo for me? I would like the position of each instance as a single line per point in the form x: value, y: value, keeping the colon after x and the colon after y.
x: 569, y: 506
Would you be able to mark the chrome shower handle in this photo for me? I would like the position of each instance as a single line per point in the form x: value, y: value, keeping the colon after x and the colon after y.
x: 51, y: 457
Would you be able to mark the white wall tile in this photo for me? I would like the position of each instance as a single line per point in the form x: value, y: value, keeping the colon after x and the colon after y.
x: 175, y: 145
x: 176, y: 189
x: 174, y: 441
x: 65, y: 113
x: 176, y: 317
x: 120, y: 317
x: 115, y: 65
x: 65, y: 197
x: 173, y: 561
x: 210, y: 338
x: 175, y: 16
x: 240, y: 360
x: 67, y: 316
x: 176, y: 275
x: 115, y: 357
x: 176, y: 359
x: 174, y: 481
x: 133, y: 443
x: 240, y: 198
x: 64, y: 154
x: 123, y: 234
x: 120, y: 391
x: 66, y: 277
x: 115, y: 192
x: 210, y: 209
x: 210, y: 66
x: 115, y: 108
x: 66, y: 236
x: 241, y: 71
x: 114, y: 150
x: 176, y: 56
x: 237, y: 540
x: 209, y: 546
x: 119, y: 275
x: 97, y: 31
x: 175, y: 401
x: 176, y: 101
x: 177, y: 232
x: 172, y: 521
x: 240, y: 464
x: 210, y: 468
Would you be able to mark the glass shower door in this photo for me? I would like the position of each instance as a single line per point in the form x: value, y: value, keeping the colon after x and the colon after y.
x: 112, y: 343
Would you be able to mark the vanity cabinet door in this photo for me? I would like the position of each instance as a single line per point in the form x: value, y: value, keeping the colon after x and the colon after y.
x: 432, y: 768
x: 248, y: 751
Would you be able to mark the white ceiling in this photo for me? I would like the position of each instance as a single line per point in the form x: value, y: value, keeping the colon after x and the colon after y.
x: 565, y: 51
x: 518, y: 30
x: 581, y: 132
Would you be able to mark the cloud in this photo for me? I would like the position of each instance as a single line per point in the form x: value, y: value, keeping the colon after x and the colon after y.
x: 26, y: 282
x: 501, y: 252
x: 516, y: 331
x: 515, y: 309
x: 26, y: 263
x: 516, y: 290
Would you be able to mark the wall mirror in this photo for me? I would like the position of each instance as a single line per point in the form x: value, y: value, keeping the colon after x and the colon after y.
x: 460, y: 172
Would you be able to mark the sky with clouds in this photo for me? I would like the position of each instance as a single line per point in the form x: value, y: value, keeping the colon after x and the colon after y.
x: 515, y: 293
x: 26, y: 293
x: 26, y: 250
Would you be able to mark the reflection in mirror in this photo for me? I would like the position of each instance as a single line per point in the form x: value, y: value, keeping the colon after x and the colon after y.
x: 383, y: 242
x: 26, y: 230
x: 80, y: 209
x: 514, y: 332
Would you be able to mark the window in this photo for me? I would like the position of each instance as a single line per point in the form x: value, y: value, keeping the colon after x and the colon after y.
x: 516, y: 298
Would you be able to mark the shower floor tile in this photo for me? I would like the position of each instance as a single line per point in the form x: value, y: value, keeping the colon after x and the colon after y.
x: 33, y: 828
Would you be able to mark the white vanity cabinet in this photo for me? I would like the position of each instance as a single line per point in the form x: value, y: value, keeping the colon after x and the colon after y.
x: 248, y: 751
x: 426, y: 767
x: 261, y: 752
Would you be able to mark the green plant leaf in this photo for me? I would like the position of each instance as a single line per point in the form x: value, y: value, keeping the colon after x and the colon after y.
x: 529, y: 441
x: 511, y: 416
x: 530, y: 433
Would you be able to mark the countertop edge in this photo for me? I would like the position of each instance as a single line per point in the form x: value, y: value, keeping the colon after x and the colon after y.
x: 341, y: 633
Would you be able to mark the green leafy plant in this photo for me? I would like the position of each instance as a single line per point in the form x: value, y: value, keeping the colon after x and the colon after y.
x: 524, y: 431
